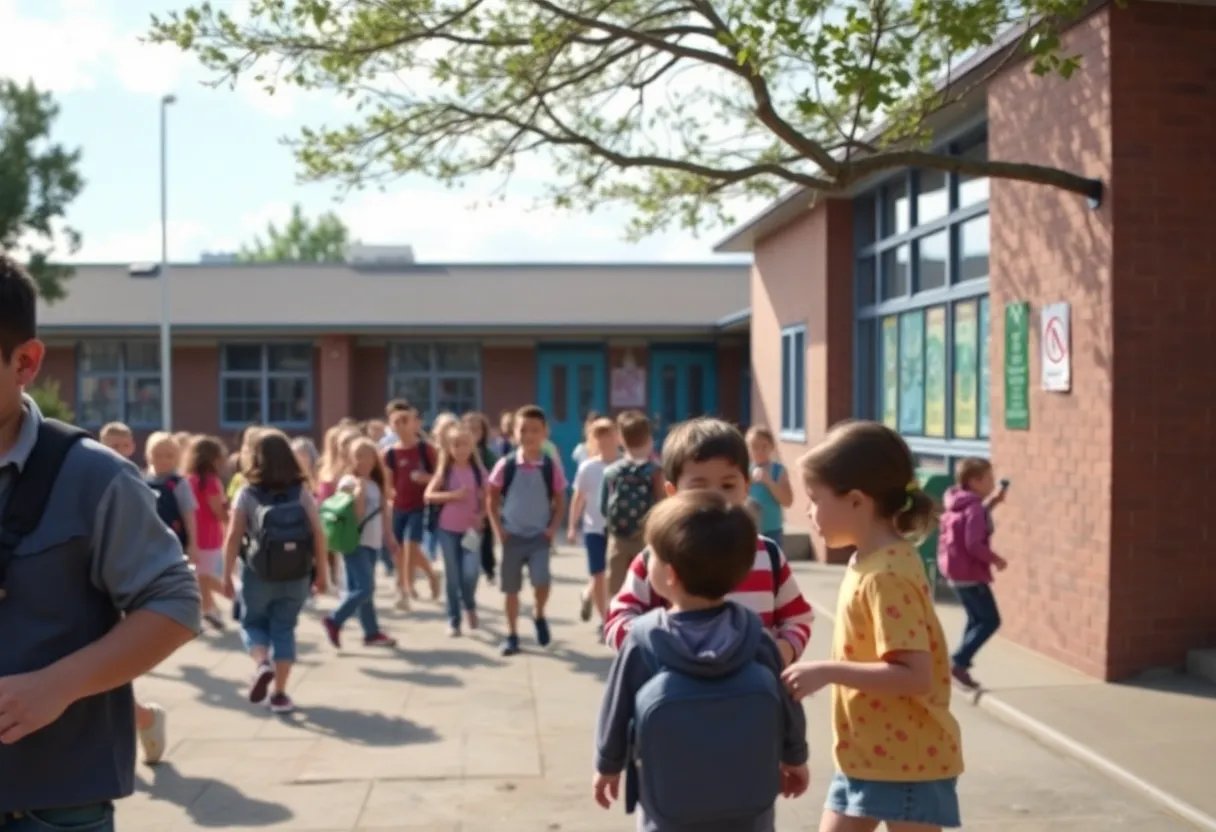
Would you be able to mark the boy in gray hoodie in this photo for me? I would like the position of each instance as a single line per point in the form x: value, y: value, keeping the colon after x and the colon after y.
x: 695, y: 715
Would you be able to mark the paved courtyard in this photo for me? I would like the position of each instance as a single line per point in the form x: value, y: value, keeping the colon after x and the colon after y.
x: 443, y: 735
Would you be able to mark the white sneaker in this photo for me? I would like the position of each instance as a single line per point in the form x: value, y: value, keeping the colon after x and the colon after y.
x: 153, y: 739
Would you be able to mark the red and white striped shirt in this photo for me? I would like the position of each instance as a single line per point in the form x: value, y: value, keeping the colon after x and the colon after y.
x: 776, y: 599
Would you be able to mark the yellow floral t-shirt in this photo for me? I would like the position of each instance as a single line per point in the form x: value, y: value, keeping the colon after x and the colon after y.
x: 886, y: 606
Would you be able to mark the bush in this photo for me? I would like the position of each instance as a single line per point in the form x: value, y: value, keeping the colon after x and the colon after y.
x: 46, y: 396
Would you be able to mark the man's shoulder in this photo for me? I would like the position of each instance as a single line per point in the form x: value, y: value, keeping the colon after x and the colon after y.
x: 90, y: 459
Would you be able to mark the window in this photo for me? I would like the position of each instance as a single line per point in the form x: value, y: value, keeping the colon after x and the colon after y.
x: 793, y: 381
x: 268, y: 384
x: 922, y: 298
x: 436, y: 378
x: 118, y: 382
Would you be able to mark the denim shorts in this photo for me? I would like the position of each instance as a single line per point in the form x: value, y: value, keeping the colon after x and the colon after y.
x: 597, y: 552
x: 271, y: 610
x: 408, y: 525
x: 931, y: 802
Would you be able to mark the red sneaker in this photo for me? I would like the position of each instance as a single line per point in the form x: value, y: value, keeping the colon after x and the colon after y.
x: 963, y: 677
x: 379, y: 640
x: 332, y: 631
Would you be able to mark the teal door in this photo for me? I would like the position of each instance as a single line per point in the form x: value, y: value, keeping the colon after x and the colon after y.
x: 683, y: 385
x: 570, y: 383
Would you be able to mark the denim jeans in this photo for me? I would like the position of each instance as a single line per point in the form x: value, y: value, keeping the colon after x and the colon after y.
x: 460, y: 572
x: 271, y: 612
x: 96, y: 818
x: 360, y: 595
x: 983, y: 620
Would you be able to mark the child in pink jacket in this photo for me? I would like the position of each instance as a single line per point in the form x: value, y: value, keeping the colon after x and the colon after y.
x: 966, y: 559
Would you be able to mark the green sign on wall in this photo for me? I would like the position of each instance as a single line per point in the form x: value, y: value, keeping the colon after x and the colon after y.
x: 1017, y: 366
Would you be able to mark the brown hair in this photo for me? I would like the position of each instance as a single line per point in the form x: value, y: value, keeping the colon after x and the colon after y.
x: 273, y: 465
x: 204, y: 457
x: 531, y: 411
x: 479, y: 419
x: 875, y: 460
x: 377, y: 474
x: 971, y: 469
x: 634, y: 428
x: 699, y: 440
x: 398, y: 406
x: 710, y: 543
x: 113, y: 430
x: 757, y: 432
x: 600, y: 428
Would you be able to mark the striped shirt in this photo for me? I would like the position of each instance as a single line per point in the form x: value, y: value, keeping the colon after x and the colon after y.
x: 776, y: 599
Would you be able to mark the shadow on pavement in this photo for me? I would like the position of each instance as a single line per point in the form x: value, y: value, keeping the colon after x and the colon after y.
x: 1172, y: 681
x: 360, y: 727
x: 425, y: 678
x: 592, y: 665
x: 212, y: 803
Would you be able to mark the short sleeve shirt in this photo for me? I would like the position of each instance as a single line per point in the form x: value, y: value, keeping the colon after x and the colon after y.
x: 587, y: 482
x: 886, y: 606
x: 372, y: 535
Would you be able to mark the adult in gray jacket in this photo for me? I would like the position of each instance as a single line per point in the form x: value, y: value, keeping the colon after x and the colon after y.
x: 94, y: 592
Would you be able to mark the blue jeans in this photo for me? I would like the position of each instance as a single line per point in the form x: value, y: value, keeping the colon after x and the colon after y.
x: 460, y: 571
x: 360, y: 594
x: 99, y: 817
x: 983, y: 620
x: 270, y: 612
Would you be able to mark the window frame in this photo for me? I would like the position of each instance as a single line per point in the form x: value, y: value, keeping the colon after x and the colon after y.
x: 433, y: 374
x: 264, y: 375
x: 793, y: 382
x: 869, y: 315
x: 121, y: 376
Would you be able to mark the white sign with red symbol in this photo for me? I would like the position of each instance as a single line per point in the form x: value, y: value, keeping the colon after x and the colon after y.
x: 1055, y: 340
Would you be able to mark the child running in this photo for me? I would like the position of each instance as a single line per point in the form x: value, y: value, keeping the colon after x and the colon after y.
x: 202, y: 467
x: 711, y: 454
x: 458, y: 489
x: 897, y: 748
x: 277, y: 514
x: 526, y: 501
x: 585, y: 511
x: 702, y: 662
x: 770, y: 486
x: 966, y: 560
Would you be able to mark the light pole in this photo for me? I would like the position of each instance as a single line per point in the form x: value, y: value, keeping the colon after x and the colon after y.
x: 166, y: 335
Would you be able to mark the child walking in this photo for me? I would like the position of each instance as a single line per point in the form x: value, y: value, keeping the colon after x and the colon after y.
x: 897, y: 748
x: 703, y: 661
x: 965, y: 558
x: 479, y: 428
x: 457, y: 488
x: 410, y: 461
x: 770, y: 488
x: 586, y: 512
x: 202, y: 467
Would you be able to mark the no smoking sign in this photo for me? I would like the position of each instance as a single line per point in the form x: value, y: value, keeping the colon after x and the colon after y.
x: 1056, y: 348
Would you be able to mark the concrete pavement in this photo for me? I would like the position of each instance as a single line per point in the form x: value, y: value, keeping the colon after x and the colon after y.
x: 444, y: 735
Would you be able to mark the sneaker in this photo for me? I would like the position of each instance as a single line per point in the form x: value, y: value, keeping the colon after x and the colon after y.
x: 281, y: 703
x: 403, y: 603
x: 473, y: 621
x: 584, y: 606
x: 262, y: 678
x: 379, y: 640
x: 213, y: 619
x: 152, y: 738
x: 543, y: 637
x: 963, y: 677
x: 453, y: 631
x: 510, y: 646
x: 332, y: 632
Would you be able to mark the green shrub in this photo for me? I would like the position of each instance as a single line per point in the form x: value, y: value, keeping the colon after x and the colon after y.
x: 46, y: 396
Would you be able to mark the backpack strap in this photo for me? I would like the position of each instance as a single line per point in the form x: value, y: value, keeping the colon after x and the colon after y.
x: 508, y: 474
x: 424, y: 457
x: 549, y: 473
x: 390, y: 459
x: 31, y: 491
x: 774, y: 556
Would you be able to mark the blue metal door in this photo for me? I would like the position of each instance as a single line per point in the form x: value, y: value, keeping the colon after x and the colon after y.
x: 570, y: 382
x: 683, y: 385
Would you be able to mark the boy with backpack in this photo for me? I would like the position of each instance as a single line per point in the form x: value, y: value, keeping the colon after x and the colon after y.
x: 526, y: 500
x: 630, y: 487
x: 175, y: 502
x: 409, y: 462
x: 703, y: 661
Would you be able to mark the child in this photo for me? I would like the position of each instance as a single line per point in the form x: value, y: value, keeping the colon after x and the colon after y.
x: 409, y: 462
x: 526, y: 501
x: 585, y: 510
x: 277, y: 514
x: 479, y: 427
x: 712, y: 454
x: 897, y: 748
x: 202, y: 470
x: 457, y: 488
x: 175, y: 502
x: 770, y: 486
x: 366, y: 482
x: 585, y: 449
x: 629, y: 488
x: 702, y: 661
x: 118, y: 438
x: 503, y: 444
x: 966, y: 560
x: 375, y: 430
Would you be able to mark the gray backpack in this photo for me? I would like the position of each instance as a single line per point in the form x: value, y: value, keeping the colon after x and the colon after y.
x: 281, y: 542
x: 706, y: 750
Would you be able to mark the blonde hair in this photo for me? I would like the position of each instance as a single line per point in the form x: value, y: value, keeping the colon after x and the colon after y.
x: 156, y: 440
x: 756, y: 432
x: 440, y: 426
x: 183, y: 438
x: 332, y: 466
x: 445, y: 453
x: 378, y: 474
x: 113, y: 430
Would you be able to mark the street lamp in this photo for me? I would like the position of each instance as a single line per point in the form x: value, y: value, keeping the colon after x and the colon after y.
x: 166, y: 344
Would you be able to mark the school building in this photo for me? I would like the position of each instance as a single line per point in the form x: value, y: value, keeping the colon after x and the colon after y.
x: 1069, y: 344
x: 301, y: 346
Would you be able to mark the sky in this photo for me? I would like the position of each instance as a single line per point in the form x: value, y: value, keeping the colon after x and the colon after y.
x: 229, y: 175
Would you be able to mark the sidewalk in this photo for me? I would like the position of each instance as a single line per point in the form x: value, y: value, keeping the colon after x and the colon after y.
x: 1156, y: 735
x: 444, y: 735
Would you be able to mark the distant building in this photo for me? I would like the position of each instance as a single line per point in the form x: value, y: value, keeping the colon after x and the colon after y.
x: 214, y: 257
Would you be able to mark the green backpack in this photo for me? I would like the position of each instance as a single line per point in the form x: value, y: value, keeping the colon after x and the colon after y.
x: 341, y: 524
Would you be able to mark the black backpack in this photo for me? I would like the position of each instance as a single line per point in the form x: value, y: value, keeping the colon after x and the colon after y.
x: 433, y: 509
x: 167, y: 507
x: 281, y: 542
x: 31, y: 491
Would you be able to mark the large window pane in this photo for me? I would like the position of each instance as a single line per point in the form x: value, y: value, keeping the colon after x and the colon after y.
x: 458, y: 357
x: 866, y: 290
x: 933, y: 256
x: 243, y: 358
x: 100, y: 357
x: 889, y: 388
x: 100, y: 400
x: 973, y: 249
x: 410, y: 357
x: 242, y: 400
x: 896, y: 213
x: 289, y: 358
x: 966, y: 393
x: 983, y: 361
x: 457, y: 394
x: 865, y: 225
x: 143, y: 400
x: 558, y: 378
x: 669, y: 387
x: 912, y: 372
x: 932, y: 196
x: 800, y: 380
x: 416, y: 390
x: 288, y: 402
x: 142, y: 357
x: 973, y: 189
x: 896, y: 272
x: 935, y: 372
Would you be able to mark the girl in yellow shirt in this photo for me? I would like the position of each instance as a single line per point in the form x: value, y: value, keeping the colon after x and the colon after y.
x: 897, y: 749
